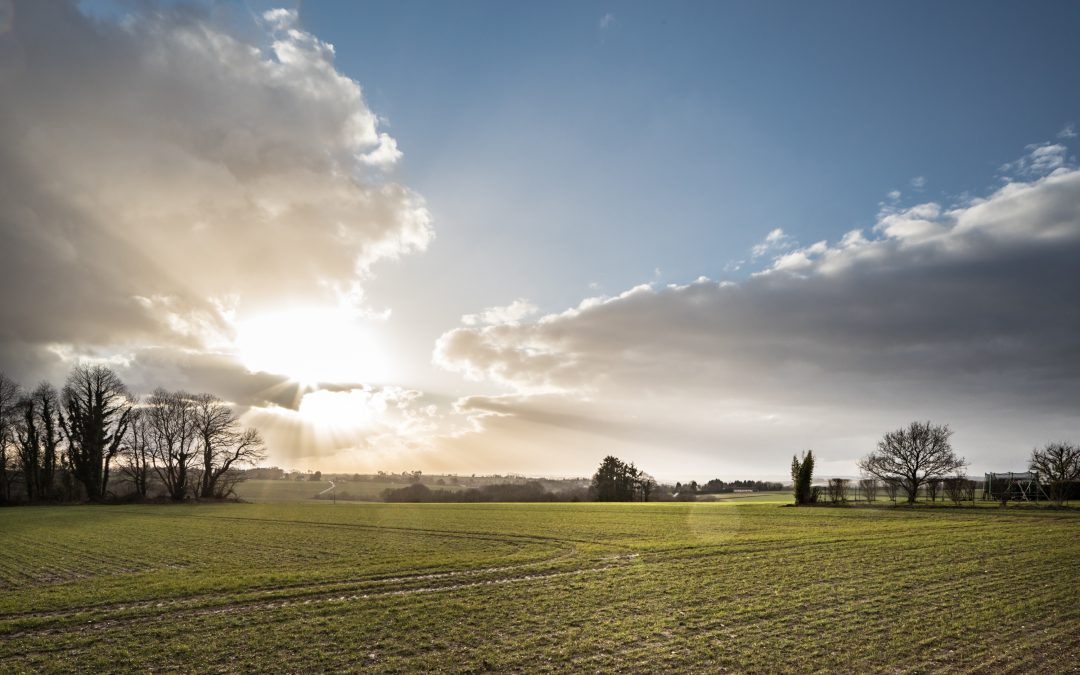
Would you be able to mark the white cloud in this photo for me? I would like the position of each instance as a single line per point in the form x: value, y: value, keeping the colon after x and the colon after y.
x: 776, y: 240
x: 156, y: 167
x: 281, y: 18
x: 509, y: 314
x: 166, y: 179
x: 1068, y: 131
x: 914, y: 223
x: 1042, y: 159
x: 606, y: 21
x: 918, y: 182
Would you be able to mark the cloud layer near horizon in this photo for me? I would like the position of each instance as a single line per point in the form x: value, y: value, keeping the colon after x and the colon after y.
x: 967, y: 314
x: 162, y: 175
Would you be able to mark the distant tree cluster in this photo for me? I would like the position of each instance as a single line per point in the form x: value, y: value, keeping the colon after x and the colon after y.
x: 265, y: 473
x: 63, y: 445
x: 717, y: 486
x: 530, y: 491
x: 617, y: 481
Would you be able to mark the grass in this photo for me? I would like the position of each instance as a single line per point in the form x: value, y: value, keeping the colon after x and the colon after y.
x: 271, y: 491
x: 537, y: 587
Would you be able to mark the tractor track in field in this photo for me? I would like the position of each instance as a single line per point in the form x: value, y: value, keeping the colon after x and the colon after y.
x: 295, y: 589
x: 564, y: 550
x: 177, y: 609
x: 449, y: 534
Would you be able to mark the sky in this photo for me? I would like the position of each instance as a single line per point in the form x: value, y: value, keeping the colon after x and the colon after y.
x: 517, y: 237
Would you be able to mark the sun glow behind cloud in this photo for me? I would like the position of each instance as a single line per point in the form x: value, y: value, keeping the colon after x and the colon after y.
x: 313, y: 345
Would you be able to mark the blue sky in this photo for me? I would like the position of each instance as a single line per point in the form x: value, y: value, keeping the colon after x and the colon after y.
x: 681, y: 133
x: 471, y: 236
x: 676, y: 135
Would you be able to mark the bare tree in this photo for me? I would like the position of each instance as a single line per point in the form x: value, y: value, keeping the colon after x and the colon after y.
x: 912, y: 455
x: 869, y: 488
x: 38, y: 437
x: 646, y: 484
x: 96, y: 412
x: 9, y: 412
x: 933, y: 486
x: 1059, y: 464
x: 838, y: 488
x: 137, y: 453
x: 173, y: 439
x: 223, y: 445
x: 892, y: 486
x: 956, y: 488
x: 48, y: 416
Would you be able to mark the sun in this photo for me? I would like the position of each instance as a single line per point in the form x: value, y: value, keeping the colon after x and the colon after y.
x: 312, y: 345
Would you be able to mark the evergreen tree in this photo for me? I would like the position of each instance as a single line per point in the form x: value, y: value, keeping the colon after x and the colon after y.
x: 617, y: 481
x: 802, y: 477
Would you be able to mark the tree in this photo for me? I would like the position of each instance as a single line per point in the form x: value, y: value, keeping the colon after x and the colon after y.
x: 95, y: 417
x: 48, y: 416
x: 171, y: 419
x: 9, y: 412
x: 616, y: 481
x: 606, y: 480
x: 646, y: 485
x: 224, y: 445
x: 933, y: 486
x: 838, y: 488
x: 38, y: 438
x: 1058, y: 464
x: 869, y: 488
x: 892, y: 486
x: 957, y: 488
x: 137, y: 453
x: 913, y: 455
x: 802, y: 478
x: 628, y: 482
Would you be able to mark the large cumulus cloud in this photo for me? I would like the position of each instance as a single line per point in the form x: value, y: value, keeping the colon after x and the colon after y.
x: 161, y: 175
x: 966, y: 313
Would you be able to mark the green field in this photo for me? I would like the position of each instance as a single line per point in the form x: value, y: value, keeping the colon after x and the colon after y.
x: 269, y: 491
x: 537, y: 587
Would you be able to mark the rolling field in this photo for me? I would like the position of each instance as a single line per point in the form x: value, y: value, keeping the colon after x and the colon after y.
x: 271, y: 491
x: 537, y: 587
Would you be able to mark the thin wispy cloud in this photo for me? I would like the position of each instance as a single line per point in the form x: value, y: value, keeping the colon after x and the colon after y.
x: 1040, y: 160
x: 776, y: 240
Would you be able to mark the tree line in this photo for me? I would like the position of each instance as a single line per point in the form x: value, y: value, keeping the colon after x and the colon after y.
x: 529, y: 491
x: 66, y: 444
x: 717, y: 486
x: 920, y: 458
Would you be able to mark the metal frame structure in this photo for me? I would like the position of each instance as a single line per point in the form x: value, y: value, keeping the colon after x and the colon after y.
x: 1022, y: 486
